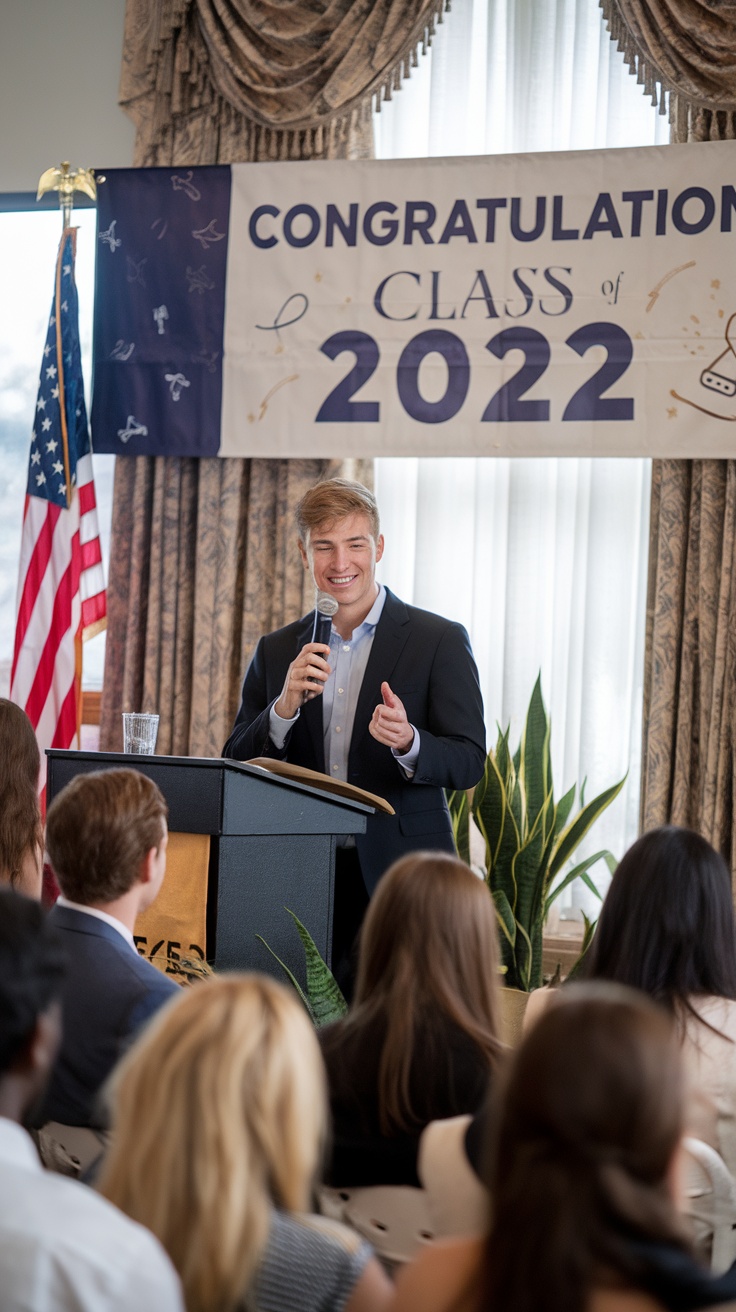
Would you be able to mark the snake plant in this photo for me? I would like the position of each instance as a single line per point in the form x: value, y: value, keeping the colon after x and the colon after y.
x: 323, y: 997
x: 529, y: 839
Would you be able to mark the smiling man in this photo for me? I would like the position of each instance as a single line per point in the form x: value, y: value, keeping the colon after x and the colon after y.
x: 392, y: 704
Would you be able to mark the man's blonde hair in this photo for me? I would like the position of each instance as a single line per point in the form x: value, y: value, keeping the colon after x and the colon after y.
x: 334, y: 499
x: 219, y: 1116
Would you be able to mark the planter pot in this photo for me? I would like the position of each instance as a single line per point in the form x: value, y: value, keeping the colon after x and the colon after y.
x: 513, y: 1009
x: 520, y: 1010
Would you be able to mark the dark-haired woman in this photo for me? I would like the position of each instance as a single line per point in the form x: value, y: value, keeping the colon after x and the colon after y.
x: 21, y: 828
x: 667, y: 927
x: 421, y: 1040
x: 583, y: 1176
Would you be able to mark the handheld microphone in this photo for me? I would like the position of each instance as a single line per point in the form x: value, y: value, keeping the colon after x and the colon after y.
x: 325, y: 608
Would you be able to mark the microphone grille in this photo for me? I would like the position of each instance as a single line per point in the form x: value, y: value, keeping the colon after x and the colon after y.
x: 326, y: 605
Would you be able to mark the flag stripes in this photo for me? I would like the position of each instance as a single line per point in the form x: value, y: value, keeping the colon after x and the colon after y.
x: 61, y: 586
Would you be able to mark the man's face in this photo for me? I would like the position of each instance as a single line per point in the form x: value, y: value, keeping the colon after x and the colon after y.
x: 342, y: 557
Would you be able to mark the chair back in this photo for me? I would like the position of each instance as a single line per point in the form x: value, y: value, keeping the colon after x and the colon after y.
x: 393, y: 1218
x: 458, y: 1203
x: 710, y: 1203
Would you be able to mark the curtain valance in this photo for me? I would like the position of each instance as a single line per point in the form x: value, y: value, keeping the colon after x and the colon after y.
x: 686, y: 48
x: 299, y: 75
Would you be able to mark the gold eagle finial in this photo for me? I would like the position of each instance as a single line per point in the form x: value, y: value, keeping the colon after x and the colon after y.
x: 66, y: 181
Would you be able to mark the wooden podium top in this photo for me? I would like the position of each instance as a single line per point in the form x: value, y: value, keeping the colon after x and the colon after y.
x: 301, y: 775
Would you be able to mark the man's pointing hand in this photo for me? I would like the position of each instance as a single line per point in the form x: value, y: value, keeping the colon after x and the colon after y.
x: 389, y: 724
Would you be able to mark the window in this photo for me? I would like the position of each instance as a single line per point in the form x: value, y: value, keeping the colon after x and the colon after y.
x: 544, y: 561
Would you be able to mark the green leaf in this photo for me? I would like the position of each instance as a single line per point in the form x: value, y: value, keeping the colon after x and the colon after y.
x: 564, y: 807
x: 502, y: 754
x: 535, y: 768
x: 529, y: 876
x: 577, y: 872
x: 459, y: 806
x: 587, y: 940
x: 326, y: 1001
x: 498, y: 828
x: 572, y: 836
x: 507, y: 936
x: 524, y: 958
x: 505, y: 915
x: 293, y: 979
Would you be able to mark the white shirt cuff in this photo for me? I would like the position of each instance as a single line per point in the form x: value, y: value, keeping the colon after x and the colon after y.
x: 407, y: 760
x: 279, y: 728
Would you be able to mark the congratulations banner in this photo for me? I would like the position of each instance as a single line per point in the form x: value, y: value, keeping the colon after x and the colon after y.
x: 551, y: 304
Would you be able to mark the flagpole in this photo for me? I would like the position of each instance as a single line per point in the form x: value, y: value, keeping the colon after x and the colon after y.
x: 61, y: 585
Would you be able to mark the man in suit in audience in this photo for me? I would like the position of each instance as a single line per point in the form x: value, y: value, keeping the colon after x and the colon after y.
x: 392, y: 703
x: 61, y: 1245
x: 106, y: 837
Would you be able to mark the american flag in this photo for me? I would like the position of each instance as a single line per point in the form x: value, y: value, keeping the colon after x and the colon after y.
x: 61, y: 584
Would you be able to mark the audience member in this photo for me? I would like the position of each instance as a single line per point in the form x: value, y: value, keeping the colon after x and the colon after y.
x: 61, y: 1247
x: 583, y: 1175
x: 21, y: 830
x: 106, y: 837
x: 422, y: 1037
x: 667, y: 927
x: 221, y: 1163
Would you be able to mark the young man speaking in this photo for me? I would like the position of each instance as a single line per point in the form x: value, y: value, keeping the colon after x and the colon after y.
x: 392, y: 704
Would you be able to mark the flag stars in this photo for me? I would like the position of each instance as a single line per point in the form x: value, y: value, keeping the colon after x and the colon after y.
x: 67, y: 268
x: 65, y: 305
x: 55, y: 393
x: 35, y: 457
x: 62, y: 489
x: 46, y: 425
x: 51, y: 371
x: 47, y: 350
x: 40, y: 404
x: 52, y: 445
x: 57, y: 467
x: 40, y: 479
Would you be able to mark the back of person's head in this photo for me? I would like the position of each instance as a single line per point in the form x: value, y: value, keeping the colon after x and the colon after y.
x: 219, y: 1114
x: 98, y: 831
x: 31, y: 972
x: 21, y: 830
x: 667, y: 924
x: 428, y: 954
x: 334, y: 499
x: 589, y: 1126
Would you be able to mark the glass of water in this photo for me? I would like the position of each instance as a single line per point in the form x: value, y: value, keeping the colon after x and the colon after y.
x: 139, y: 733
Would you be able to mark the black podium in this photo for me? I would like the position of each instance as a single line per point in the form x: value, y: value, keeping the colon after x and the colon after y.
x: 272, y: 846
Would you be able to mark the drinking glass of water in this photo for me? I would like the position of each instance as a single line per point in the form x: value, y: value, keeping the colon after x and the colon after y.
x: 139, y: 733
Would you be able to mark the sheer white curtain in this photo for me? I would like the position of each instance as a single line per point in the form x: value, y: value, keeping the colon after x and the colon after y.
x: 544, y: 561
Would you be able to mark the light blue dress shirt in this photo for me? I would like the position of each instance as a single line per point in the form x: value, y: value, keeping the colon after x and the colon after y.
x: 348, y: 660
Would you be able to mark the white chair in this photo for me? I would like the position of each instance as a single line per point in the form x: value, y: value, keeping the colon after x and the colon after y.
x: 71, y: 1149
x: 457, y: 1202
x: 393, y: 1218
x: 710, y: 1203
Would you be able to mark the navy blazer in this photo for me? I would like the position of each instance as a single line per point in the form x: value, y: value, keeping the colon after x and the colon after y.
x: 429, y: 664
x: 109, y: 991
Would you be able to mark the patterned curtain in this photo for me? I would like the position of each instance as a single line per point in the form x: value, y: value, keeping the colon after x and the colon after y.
x: 688, y: 47
x: 203, y: 556
x: 276, y: 79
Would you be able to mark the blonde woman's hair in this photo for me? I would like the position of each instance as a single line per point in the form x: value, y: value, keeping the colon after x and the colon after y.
x: 219, y: 1114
